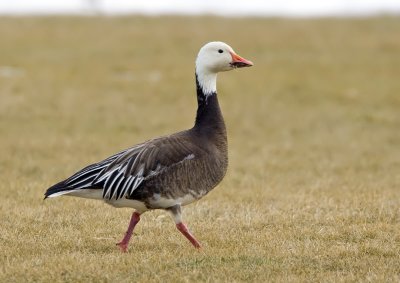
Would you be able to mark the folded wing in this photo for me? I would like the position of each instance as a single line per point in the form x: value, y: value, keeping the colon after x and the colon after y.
x: 119, y: 175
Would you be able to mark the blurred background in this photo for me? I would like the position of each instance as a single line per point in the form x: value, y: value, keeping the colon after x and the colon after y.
x: 312, y: 193
x: 194, y: 7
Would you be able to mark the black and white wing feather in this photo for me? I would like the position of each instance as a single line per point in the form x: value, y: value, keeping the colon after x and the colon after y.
x: 119, y: 175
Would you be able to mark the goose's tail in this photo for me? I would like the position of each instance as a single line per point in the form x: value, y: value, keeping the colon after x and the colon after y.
x: 57, y: 190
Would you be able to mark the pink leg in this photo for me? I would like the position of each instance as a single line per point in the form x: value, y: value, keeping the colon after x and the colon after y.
x: 184, y: 230
x: 123, y: 245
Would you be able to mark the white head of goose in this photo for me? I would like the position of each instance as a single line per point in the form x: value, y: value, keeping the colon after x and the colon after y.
x: 170, y: 171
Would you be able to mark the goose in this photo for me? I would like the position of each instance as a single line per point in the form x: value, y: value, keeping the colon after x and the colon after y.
x: 171, y: 171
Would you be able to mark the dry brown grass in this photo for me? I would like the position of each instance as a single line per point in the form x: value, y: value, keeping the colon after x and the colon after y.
x: 312, y: 193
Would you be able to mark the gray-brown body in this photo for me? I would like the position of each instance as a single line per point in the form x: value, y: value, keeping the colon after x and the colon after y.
x: 171, y: 170
x: 194, y: 176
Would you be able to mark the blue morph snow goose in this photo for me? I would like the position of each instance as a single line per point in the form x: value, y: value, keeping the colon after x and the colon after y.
x: 170, y: 171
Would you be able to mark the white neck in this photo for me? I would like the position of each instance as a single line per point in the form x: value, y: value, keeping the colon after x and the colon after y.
x: 207, y: 81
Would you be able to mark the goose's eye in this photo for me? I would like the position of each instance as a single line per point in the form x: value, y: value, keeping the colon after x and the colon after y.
x: 220, y: 51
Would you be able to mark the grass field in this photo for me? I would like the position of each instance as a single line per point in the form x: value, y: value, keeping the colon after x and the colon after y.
x: 313, y: 188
